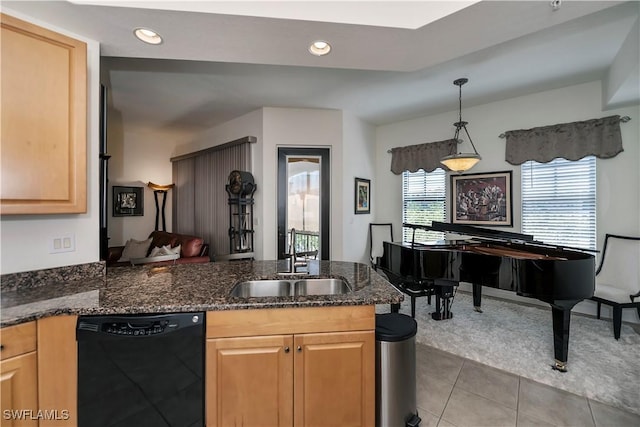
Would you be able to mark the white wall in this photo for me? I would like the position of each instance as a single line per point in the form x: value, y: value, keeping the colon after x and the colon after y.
x: 137, y: 158
x: 351, y: 142
x: 25, y: 238
x: 618, y: 179
x: 359, y: 162
x: 297, y: 127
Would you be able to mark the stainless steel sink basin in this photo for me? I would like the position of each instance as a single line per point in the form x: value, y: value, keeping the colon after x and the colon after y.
x: 262, y: 288
x: 321, y: 287
x: 286, y: 288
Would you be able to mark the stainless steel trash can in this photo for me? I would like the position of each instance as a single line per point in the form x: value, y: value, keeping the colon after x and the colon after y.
x: 396, y: 371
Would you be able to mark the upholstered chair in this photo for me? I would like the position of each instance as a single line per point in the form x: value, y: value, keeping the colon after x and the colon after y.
x: 618, y: 277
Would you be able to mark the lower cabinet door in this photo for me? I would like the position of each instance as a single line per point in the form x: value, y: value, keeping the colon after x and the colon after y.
x: 249, y: 381
x: 19, y: 391
x: 58, y: 371
x: 334, y: 381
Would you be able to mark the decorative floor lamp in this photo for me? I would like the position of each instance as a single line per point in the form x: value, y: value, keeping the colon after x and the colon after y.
x: 160, y: 189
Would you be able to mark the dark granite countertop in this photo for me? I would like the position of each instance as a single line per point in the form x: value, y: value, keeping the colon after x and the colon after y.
x: 185, y: 287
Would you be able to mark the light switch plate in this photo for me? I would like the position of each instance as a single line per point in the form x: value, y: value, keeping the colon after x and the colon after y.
x: 63, y: 243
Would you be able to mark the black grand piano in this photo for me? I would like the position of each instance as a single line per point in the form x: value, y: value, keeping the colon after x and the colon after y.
x: 560, y: 276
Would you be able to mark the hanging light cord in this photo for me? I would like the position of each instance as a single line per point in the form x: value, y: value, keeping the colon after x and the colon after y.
x: 460, y: 123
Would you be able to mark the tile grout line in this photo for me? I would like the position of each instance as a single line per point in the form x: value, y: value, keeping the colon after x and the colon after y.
x: 451, y: 392
x: 593, y: 418
x: 497, y: 371
x: 518, y: 402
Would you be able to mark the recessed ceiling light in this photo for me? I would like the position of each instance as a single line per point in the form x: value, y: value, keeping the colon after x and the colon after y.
x: 147, y: 35
x: 319, y: 48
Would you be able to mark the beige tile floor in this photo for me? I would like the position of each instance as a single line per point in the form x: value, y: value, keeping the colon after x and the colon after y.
x: 457, y: 392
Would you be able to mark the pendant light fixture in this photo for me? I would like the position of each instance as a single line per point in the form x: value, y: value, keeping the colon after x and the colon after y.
x: 462, y: 161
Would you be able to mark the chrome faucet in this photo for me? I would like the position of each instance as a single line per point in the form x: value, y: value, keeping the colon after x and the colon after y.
x: 294, y: 264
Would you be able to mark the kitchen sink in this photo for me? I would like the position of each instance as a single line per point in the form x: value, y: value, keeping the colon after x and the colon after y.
x: 285, y: 288
x: 321, y: 287
x: 262, y: 288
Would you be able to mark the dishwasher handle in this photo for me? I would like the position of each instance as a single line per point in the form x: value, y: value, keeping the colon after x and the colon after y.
x: 138, y: 326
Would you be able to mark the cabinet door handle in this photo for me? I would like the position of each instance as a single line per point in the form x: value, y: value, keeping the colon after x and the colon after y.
x: 286, y: 349
x: 299, y: 349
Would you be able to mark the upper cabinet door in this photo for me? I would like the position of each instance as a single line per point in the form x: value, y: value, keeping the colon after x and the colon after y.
x: 44, y: 120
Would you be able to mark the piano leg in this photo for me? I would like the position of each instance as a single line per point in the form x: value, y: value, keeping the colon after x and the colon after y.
x: 413, y: 307
x: 561, y: 312
x: 477, y: 297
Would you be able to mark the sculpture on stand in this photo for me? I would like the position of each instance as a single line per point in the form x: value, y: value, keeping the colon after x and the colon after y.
x: 241, y: 188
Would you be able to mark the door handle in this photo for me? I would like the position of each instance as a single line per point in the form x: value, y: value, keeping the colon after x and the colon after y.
x: 286, y: 349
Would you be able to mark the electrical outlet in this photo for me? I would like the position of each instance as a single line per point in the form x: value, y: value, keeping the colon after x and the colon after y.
x: 64, y: 243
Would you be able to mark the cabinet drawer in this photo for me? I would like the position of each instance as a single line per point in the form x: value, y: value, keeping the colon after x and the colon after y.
x: 17, y: 339
x: 275, y: 321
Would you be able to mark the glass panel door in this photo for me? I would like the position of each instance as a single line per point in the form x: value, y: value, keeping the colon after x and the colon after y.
x: 303, y: 200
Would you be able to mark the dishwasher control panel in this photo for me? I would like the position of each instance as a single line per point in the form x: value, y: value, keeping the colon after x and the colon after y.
x: 138, y: 325
x: 127, y: 328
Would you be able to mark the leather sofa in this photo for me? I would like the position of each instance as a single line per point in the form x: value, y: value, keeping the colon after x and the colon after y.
x: 192, y: 249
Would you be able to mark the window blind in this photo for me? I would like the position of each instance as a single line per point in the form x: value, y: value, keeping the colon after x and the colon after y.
x: 559, y: 201
x: 423, y: 201
x: 200, y: 201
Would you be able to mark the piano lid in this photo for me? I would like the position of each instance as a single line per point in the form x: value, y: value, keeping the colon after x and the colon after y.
x: 471, y: 230
x: 495, y: 235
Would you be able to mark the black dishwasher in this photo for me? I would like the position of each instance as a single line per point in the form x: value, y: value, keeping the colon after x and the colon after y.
x: 141, y: 370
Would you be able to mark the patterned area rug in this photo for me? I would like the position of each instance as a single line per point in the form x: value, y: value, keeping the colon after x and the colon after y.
x: 518, y: 338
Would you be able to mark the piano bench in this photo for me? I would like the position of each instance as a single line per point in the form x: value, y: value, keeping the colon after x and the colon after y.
x: 444, y: 293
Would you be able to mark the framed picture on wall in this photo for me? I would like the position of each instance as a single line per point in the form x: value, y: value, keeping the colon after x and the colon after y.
x: 363, y: 196
x: 482, y: 199
x: 128, y: 201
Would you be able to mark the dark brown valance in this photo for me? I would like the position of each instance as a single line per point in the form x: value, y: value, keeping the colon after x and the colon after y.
x: 421, y: 156
x: 571, y: 141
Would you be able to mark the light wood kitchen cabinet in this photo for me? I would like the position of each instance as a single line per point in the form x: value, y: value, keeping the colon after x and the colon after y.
x: 334, y: 379
x: 43, y: 109
x: 250, y: 381
x: 18, y: 376
x: 320, y: 373
x: 39, y: 372
x: 58, y: 369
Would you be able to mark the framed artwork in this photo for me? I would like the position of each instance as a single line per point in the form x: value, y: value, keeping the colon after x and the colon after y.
x: 128, y: 201
x: 482, y: 199
x: 363, y: 196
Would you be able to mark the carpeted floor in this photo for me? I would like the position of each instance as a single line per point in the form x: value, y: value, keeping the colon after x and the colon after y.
x: 518, y: 338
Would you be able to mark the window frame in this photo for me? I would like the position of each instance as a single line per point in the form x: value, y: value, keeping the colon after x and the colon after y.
x: 435, y: 197
x: 566, y: 193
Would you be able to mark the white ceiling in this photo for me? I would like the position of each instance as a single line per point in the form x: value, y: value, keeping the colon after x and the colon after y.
x: 411, y: 14
x: 213, y: 67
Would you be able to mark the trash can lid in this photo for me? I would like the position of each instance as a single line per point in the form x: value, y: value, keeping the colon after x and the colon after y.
x: 393, y: 327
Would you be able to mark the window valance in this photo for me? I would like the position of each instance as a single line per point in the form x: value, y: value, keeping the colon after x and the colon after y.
x: 421, y: 156
x: 571, y: 141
